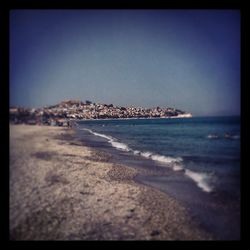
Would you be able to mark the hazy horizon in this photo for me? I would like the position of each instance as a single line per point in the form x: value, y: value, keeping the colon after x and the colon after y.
x: 186, y: 59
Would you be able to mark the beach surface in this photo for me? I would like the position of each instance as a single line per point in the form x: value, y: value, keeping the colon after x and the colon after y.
x: 63, y: 190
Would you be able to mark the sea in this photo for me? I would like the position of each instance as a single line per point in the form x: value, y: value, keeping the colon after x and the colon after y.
x: 194, y: 160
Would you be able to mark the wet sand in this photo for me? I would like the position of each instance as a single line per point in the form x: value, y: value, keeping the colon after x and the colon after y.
x: 62, y: 190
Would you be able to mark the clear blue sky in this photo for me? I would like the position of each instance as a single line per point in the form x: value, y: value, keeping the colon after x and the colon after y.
x: 187, y: 59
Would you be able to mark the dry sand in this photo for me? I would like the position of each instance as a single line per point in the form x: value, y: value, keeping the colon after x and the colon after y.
x: 61, y: 190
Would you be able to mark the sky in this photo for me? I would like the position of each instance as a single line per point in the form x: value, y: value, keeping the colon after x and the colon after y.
x: 186, y: 59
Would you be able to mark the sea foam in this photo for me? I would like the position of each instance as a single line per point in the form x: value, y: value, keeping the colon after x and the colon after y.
x: 111, y: 140
x: 226, y: 136
x: 119, y: 145
x: 200, y: 179
x: 234, y: 137
x: 174, y: 163
x: 161, y: 158
x: 212, y: 136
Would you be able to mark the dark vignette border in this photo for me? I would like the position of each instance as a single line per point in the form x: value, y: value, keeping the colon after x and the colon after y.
x: 5, y: 8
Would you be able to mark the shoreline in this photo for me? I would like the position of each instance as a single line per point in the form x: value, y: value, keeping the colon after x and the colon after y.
x: 63, y: 190
x: 214, y: 211
x: 131, y: 118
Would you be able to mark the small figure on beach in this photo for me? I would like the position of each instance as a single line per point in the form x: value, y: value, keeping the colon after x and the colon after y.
x: 69, y: 124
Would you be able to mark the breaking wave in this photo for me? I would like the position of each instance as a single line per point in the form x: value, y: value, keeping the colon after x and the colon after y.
x: 212, y: 136
x: 111, y: 140
x: 201, y: 179
x: 232, y: 137
x: 161, y: 158
x: 225, y: 136
x: 119, y: 145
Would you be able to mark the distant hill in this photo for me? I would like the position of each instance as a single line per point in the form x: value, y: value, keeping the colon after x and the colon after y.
x: 78, y: 110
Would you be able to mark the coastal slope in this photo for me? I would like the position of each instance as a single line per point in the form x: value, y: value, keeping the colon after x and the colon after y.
x: 62, y: 190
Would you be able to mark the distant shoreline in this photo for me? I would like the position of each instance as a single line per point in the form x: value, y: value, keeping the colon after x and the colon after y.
x: 132, y: 118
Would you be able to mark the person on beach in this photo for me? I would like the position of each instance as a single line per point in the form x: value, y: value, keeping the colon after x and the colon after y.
x: 68, y: 124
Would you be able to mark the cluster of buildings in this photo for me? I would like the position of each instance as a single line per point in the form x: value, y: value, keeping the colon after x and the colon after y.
x: 65, y: 112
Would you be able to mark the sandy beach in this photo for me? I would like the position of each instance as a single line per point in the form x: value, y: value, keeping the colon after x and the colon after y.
x: 62, y: 190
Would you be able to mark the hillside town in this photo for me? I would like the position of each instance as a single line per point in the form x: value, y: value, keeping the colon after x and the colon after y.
x: 66, y: 112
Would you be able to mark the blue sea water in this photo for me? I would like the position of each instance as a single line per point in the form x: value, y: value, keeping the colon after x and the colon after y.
x: 202, y: 156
